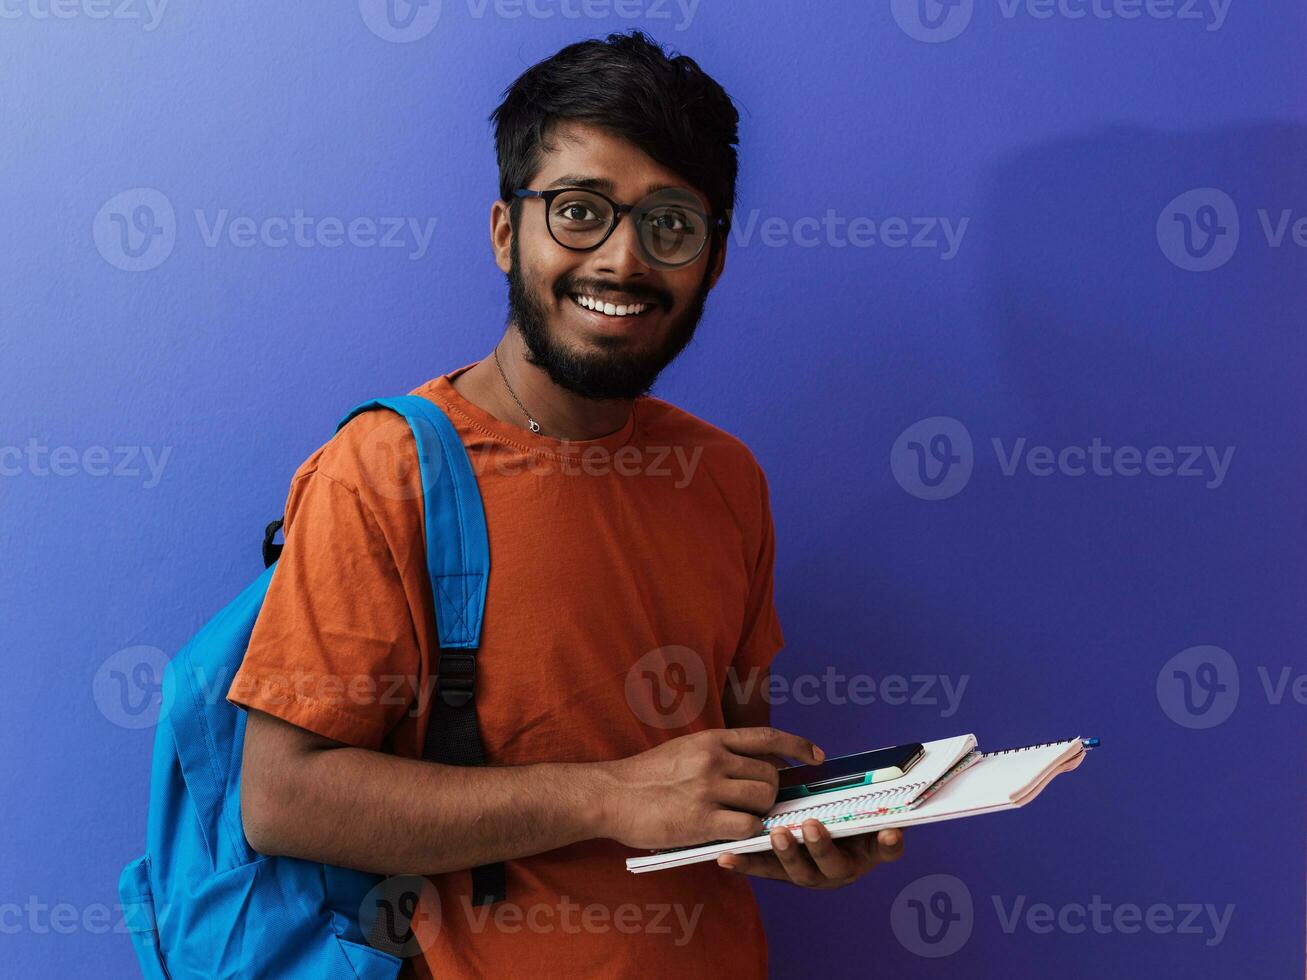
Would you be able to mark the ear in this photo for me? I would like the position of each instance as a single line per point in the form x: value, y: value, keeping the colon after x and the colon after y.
x: 501, y: 235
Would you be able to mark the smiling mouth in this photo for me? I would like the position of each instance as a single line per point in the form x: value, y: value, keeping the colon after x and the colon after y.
x: 615, y: 311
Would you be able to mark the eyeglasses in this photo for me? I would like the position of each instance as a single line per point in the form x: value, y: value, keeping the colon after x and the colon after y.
x: 670, y: 226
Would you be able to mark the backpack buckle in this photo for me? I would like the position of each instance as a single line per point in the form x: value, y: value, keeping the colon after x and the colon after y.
x: 456, y: 676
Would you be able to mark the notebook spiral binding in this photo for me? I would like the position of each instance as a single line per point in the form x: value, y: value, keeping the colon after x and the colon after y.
x: 846, y: 809
x: 1037, y: 745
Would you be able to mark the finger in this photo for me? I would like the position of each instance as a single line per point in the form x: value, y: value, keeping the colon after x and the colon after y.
x: 750, y: 767
x: 758, y: 865
x: 771, y: 741
x: 794, y: 859
x: 733, y: 825
x: 748, y: 795
x: 828, y: 857
x: 889, y: 844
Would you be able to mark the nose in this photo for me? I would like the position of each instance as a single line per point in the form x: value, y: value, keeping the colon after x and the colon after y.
x: 621, y: 255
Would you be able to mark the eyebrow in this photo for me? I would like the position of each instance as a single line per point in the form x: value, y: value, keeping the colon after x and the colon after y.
x: 606, y: 185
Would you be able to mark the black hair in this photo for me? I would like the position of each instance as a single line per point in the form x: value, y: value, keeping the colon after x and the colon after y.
x: 626, y: 84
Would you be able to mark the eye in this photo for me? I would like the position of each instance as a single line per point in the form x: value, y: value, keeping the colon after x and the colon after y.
x: 670, y: 220
x: 576, y: 212
x: 581, y: 209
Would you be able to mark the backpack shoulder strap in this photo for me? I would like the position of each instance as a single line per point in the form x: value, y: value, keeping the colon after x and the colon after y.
x: 458, y: 553
x: 458, y: 563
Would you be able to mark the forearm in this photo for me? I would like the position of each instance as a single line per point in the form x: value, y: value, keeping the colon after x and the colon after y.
x: 390, y: 815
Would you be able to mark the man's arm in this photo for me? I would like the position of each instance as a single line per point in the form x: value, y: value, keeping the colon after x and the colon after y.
x: 307, y: 796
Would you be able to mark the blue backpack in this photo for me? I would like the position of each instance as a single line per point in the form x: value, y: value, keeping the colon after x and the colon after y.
x: 201, y: 903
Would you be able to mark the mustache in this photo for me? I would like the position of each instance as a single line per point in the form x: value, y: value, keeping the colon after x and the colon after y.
x: 641, y: 294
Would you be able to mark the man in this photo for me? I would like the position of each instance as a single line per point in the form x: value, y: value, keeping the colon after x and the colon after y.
x: 632, y: 552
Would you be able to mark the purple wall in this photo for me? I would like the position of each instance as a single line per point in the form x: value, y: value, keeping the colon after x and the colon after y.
x: 1067, y: 309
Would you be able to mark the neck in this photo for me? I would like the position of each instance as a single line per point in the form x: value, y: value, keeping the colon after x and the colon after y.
x: 561, y: 414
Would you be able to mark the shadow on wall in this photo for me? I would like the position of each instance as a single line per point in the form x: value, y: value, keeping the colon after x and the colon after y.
x: 1144, y: 288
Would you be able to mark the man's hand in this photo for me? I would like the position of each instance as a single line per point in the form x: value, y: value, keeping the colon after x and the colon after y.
x: 711, y: 785
x: 820, y: 861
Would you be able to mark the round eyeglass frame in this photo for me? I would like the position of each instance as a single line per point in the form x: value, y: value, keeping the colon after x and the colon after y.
x: 637, y: 209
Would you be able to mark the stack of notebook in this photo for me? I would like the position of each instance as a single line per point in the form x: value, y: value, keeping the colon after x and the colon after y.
x: 953, y: 779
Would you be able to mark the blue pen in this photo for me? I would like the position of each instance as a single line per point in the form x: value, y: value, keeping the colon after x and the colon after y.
x: 1089, y: 743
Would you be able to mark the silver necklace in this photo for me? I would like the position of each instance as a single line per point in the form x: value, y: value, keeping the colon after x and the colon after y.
x: 531, y: 423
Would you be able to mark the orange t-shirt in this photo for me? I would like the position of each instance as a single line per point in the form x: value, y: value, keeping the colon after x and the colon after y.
x: 627, y: 574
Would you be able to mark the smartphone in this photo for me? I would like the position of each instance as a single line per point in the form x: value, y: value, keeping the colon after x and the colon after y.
x: 848, y: 770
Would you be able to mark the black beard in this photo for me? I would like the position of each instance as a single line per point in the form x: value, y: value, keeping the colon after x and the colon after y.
x: 611, y: 373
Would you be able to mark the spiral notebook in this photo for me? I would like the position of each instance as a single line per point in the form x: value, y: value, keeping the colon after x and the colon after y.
x: 953, y: 779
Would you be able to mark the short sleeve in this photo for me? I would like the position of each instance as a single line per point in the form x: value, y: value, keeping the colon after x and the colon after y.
x: 334, y: 649
x: 761, y: 637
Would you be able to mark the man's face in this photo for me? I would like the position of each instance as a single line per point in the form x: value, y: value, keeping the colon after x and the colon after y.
x: 593, y: 354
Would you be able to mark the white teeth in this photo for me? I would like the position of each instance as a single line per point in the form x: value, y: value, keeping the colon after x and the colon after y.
x: 610, y: 309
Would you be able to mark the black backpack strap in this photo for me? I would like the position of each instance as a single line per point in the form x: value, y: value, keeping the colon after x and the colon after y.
x: 271, y: 550
x: 453, y: 739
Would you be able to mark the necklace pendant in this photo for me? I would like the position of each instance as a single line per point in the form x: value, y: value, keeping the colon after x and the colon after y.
x: 535, y: 426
